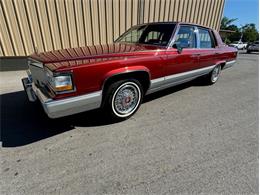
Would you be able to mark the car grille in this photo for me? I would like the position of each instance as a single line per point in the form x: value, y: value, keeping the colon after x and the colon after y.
x: 37, y: 72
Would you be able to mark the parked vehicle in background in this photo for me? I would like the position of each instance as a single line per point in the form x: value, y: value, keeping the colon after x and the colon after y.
x: 238, y: 45
x: 253, y: 47
x: 145, y: 59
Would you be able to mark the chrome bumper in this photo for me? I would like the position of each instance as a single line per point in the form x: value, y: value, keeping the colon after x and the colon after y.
x: 27, y: 85
x: 62, y: 107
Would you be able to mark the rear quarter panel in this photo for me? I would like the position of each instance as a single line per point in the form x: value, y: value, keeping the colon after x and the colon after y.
x: 225, y: 53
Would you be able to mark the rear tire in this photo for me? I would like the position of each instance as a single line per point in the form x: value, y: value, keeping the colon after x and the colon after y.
x: 213, y: 76
x: 123, y: 98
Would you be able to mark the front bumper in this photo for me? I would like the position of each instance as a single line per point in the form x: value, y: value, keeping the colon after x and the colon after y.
x: 62, y: 107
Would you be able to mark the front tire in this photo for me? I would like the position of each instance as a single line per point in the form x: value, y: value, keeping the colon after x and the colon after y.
x: 123, y: 98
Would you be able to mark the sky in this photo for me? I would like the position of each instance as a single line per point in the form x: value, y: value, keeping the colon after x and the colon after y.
x: 246, y: 11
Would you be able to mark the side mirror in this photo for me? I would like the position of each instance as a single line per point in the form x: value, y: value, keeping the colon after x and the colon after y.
x: 178, y: 47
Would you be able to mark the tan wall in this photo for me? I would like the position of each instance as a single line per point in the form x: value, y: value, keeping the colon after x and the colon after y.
x: 55, y: 24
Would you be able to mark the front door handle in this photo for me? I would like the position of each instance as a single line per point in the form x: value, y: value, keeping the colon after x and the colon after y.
x: 196, y: 55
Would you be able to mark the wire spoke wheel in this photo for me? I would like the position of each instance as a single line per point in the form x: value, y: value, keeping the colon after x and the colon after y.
x: 126, y: 99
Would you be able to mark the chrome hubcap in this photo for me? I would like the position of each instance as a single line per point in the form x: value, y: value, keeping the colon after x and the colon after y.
x: 215, y: 74
x: 126, y: 99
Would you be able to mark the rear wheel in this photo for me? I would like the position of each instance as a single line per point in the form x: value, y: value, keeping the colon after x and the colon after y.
x: 213, y: 76
x: 123, y: 98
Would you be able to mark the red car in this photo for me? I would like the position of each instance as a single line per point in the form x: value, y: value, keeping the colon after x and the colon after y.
x: 145, y: 59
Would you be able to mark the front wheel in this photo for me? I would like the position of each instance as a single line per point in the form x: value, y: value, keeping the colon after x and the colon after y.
x: 123, y: 99
x: 213, y: 76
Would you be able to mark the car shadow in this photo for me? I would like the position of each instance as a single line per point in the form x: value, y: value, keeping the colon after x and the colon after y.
x: 23, y: 122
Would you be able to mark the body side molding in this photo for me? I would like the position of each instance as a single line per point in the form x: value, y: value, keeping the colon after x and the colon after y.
x: 176, y: 79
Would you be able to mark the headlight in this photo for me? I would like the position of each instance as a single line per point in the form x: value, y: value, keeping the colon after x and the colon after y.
x: 60, y: 83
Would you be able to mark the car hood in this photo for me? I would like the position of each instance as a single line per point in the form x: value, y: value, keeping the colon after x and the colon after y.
x: 89, y: 54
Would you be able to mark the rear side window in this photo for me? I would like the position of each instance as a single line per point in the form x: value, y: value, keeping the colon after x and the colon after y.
x: 205, y: 38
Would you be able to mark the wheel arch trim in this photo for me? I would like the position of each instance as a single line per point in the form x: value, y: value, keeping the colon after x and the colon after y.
x: 125, y: 71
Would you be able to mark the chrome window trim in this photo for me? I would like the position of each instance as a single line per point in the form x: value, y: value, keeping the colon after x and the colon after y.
x: 174, y: 36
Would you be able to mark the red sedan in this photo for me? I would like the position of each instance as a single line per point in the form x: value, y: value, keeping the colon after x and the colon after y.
x: 145, y: 59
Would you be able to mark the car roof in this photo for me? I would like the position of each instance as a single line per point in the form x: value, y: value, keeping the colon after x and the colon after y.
x: 180, y: 23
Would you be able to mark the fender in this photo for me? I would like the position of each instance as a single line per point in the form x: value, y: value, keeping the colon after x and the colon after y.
x: 125, y: 70
x: 122, y: 71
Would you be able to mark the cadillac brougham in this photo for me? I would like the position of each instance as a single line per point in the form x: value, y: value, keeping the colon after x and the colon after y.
x: 145, y: 59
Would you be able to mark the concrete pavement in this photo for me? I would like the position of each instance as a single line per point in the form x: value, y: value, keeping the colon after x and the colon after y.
x: 189, y: 139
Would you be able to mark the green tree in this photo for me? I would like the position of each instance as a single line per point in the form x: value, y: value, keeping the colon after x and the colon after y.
x: 250, y: 33
x: 233, y: 28
x: 235, y: 36
x: 226, y: 22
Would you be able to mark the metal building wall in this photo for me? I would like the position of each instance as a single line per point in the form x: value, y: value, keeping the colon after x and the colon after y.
x: 54, y: 24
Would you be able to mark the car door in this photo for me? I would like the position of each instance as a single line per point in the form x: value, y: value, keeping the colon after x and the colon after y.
x: 180, y: 65
x: 207, y: 47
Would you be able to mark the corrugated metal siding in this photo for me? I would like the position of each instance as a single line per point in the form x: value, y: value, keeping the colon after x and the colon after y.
x: 55, y: 24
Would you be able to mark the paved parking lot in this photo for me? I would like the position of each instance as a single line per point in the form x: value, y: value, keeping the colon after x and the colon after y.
x: 184, y: 140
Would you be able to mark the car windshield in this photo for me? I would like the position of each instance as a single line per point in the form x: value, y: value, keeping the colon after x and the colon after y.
x: 153, y: 34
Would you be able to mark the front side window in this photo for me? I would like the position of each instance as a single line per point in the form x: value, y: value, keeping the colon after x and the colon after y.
x: 153, y: 34
x: 186, y: 37
x: 205, y: 39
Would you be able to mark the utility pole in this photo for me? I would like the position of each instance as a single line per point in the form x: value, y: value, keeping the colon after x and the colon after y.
x: 241, y: 33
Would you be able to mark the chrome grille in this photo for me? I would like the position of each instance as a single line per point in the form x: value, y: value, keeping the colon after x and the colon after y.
x: 37, y: 72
